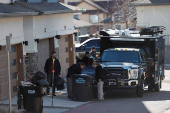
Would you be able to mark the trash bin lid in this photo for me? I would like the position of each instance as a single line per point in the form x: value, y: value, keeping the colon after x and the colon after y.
x: 81, y: 76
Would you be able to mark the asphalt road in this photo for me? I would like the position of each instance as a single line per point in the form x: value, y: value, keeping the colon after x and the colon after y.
x: 151, y: 102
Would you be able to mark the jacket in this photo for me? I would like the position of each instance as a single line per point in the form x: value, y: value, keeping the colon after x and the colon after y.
x: 85, y: 59
x: 99, y: 73
x: 74, y: 69
x: 57, y: 66
x: 93, y: 54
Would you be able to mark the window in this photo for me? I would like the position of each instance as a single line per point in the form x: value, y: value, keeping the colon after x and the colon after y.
x: 66, y: 39
x: 94, y: 19
x: 66, y: 60
x: 13, y: 49
x: 13, y: 62
x: 143, y: 55
x: 14, y: 89
x: 14, y: 75
x: 66, y: 49
x: 92, y: 43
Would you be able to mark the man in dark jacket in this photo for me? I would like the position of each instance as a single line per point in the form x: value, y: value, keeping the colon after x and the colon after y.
x: 74, y: 69
x: 49, y: 67
x: 100, y: 80
x: 93, y: 53
x: 85, y: 59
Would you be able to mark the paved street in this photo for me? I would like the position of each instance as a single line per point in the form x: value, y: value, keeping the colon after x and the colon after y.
x: 151, y: 102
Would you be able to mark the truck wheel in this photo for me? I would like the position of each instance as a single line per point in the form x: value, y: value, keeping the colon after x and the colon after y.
x: 140, y: 89
x: 150, y: 87
x: 157, y: 86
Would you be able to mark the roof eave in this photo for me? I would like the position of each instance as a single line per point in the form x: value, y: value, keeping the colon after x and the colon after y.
x: 18, y: 14
x: 59, y: 12
x: 148, y: 4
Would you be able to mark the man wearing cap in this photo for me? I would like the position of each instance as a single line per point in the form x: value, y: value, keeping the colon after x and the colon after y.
x: 93, y: 53
x: 100, y: 79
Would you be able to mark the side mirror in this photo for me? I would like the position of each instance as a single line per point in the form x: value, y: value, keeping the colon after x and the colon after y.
x: 84, y: 47
x: 150, y: 61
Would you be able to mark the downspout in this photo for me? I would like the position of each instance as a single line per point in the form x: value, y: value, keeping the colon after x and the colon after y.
x: 12, y: 1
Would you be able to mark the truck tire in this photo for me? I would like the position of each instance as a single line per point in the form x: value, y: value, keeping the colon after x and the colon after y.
x: 140, y: 89
x: 150, y: 87
x: 157, y: 86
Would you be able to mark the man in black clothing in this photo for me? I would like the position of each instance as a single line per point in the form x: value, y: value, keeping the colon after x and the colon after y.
x: 85, y: 59
x: 74, y: 69
x: 48, y: 69
x: 100, y: 80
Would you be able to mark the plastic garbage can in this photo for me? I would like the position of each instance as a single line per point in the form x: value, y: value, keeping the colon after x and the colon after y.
x: 32, y: 98
x: 82, y: 87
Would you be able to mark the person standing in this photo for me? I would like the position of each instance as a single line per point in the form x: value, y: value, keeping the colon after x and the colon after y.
x: 86, y: 57
x: 93, y: 53
x: 74, y: 69
x: 100, y: 80
x: 48, y: 69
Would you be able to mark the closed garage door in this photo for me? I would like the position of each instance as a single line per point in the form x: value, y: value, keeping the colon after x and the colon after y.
x: 43, y: 53
x: 4, y: 72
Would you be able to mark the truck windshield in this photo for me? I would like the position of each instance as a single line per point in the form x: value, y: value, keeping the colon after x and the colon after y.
x: 120, y: 56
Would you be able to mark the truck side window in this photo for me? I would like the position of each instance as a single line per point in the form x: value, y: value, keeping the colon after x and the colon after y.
x: 92, y: 43
x: 143, y: 55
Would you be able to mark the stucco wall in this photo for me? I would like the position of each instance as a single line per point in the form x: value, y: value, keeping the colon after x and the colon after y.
x: 85, y: 17
x: 154, y: 16
x: 87, y: 6
x: 13, y: 26
x: 46, y: 26
x: 5, y: 1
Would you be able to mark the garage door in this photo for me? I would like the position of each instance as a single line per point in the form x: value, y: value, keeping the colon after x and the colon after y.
x: 43, y: 53
x: 4, y: 72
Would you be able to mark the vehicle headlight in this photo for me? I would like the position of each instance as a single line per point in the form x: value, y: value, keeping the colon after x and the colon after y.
x: 133, y: 74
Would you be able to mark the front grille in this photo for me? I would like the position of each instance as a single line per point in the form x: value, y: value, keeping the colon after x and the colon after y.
x: 111, y: 73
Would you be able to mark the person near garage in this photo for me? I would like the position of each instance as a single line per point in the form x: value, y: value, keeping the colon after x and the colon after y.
x: 74, y: 69
x: 86, y: 57
x: 48, y: 69
x: 100, y: 80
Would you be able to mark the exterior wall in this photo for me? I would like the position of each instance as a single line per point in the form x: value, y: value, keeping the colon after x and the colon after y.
x: 46, y: 26
x: 12, y: 26
x: 5, y: 1
x: 101, y: 17
x: 85, y: 17
x: 85, y: 5
x: 83, y: 30
x: 154, y: 16
x: 63, y: 55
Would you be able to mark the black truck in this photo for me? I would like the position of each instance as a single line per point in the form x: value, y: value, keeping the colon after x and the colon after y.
x: 131, y: 63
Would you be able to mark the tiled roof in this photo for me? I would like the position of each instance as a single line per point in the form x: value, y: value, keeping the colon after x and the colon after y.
x: 151, y: 2
x: 5, y: 8
x: 41, y: 6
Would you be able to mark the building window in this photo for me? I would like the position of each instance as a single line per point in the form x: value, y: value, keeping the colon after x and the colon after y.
x: 66, y: 60
x: 14, y: 89
x: 14, y: 62
x: 14, y: 75
x: 66, y: 39
x: 66, y: 49
x: 94, y: 19
x: 13, y: 49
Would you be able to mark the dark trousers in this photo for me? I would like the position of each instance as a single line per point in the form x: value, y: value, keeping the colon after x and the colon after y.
x: 50, y: 81
x: 69, y: 87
